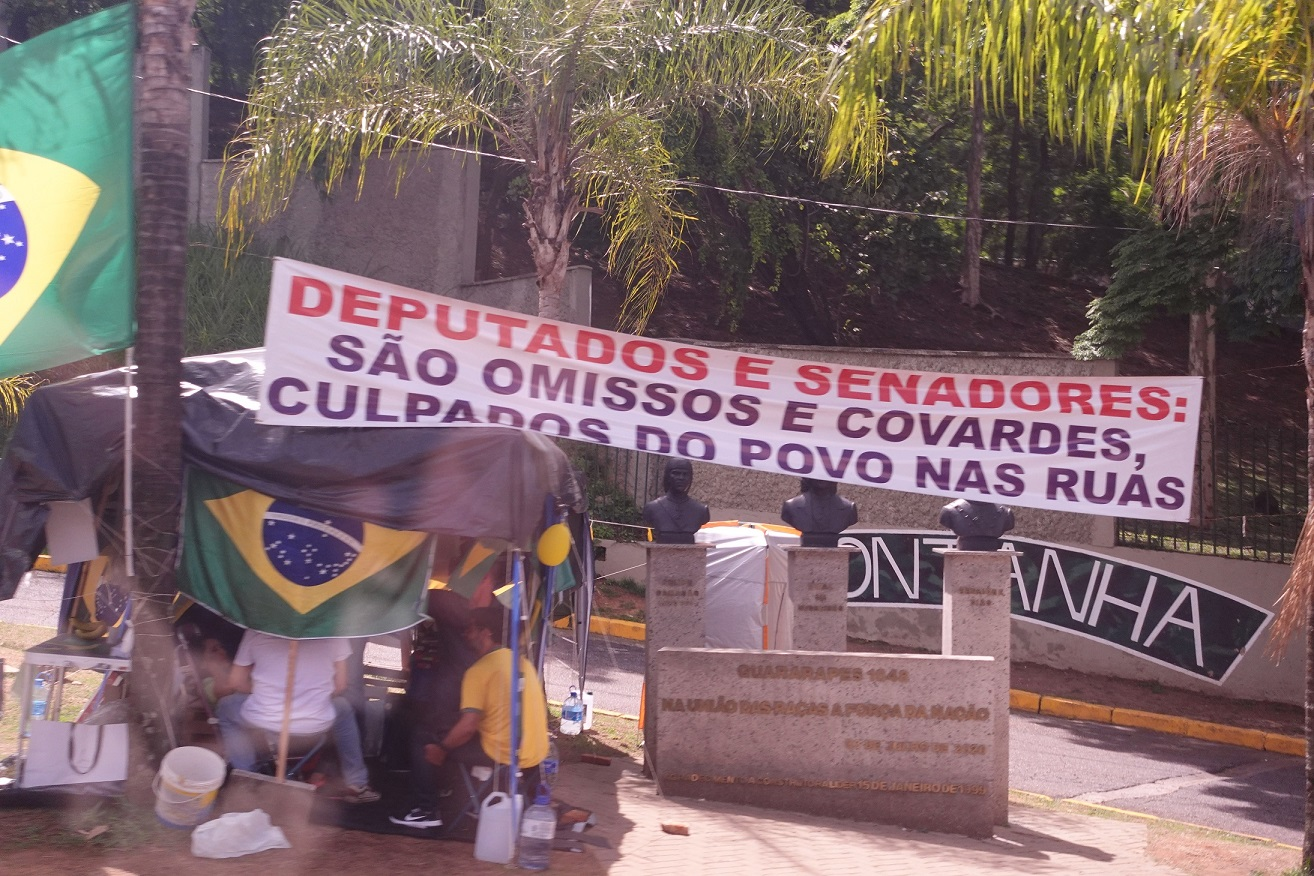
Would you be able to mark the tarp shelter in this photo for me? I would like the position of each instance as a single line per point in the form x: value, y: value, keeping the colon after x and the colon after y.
x: 748, y: 602
x: 475, y: 481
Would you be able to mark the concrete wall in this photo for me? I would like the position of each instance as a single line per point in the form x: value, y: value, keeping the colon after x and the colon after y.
x: 521, y: 294
x: 419, y: 233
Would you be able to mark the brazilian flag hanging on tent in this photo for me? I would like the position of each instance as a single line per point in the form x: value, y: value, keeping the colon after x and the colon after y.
x: 271, y: 565
x: 67, y: 275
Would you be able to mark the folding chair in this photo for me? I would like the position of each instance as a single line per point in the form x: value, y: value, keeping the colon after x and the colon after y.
x: 304, y: 753
x: 475, y: 788
x: 478, y: 781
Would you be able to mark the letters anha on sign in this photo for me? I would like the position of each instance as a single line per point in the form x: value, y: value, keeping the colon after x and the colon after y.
x: 348, y: 351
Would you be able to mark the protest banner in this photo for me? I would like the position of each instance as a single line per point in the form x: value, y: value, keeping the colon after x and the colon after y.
x: 348, y: 351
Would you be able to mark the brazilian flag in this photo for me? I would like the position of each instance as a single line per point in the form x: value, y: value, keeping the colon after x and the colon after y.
x: 67, y: 274
x: 268, y: 564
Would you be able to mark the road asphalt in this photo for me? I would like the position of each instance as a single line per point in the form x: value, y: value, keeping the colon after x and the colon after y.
x: 1219, y: 786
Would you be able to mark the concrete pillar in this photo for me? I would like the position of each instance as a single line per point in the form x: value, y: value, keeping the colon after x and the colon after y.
x: 675, y: 617
x: 819, y: 591
x: 977, y: 622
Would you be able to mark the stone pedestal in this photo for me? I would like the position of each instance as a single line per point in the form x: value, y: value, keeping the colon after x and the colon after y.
x: 819, y: 590
x: 674, y: 614
x: 977, y: 622
x: 892, y: 738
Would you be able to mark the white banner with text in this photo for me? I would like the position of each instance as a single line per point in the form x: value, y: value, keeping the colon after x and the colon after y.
x: 343, y: 350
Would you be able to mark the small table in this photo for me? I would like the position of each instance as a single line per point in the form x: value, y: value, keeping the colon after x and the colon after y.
x: 58, y: 656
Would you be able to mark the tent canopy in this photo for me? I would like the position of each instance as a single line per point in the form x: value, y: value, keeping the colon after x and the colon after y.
x: 476, y: 481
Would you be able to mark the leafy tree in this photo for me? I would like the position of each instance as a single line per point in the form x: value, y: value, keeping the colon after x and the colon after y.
x: 576, y: 90
x: 1219, y: 92
x: 29, y: 18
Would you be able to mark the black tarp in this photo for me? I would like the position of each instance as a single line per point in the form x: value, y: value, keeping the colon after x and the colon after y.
x: 476, y: 481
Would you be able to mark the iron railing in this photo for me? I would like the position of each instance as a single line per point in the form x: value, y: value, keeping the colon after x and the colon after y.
x: 1250, y: 497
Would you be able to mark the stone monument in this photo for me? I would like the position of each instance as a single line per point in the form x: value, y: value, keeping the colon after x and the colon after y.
x: 676, y: 587
x: 819, y: 574
x: 675, y: 517
x: 977, y: 615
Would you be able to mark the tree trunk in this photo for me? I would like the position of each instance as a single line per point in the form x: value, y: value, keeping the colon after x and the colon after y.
x: 1014, y: 156
x: 163, y: 128
x: 1304, y: 223
x: 1037, y: 205
x: 552, y: 204
x: 1203, y: 363
x: 970, y: 279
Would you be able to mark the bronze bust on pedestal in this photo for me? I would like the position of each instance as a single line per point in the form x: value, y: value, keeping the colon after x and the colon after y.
x: 819, y: 512
x: 978, y: 525
x: 675, y: 517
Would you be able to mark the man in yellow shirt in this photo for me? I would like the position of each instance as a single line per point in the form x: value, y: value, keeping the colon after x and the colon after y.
x: 482, y: 736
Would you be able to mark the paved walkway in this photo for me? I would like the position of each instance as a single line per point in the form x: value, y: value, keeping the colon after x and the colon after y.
x: 726, y: 839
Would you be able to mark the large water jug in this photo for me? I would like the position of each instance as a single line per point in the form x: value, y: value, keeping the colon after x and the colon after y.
x: 499, y: 820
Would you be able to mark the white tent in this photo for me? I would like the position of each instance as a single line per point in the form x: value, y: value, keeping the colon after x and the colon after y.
x: 747, y: 594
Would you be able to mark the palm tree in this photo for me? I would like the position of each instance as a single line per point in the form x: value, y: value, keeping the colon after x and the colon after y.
x: 163, y: 121
x: 575, y: 90
x: 1218, y: 94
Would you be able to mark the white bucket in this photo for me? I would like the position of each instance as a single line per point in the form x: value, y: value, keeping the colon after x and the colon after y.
x: 499, y: 825
x: 186, y: 785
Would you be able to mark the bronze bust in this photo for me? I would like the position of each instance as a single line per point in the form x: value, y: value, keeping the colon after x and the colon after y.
x: 675, y: 517
x: 819, y: 512
x: 978, y: 525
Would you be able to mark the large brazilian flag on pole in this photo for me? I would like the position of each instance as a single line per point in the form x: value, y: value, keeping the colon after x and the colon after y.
x: 67, y: 272
x: 268, y: 564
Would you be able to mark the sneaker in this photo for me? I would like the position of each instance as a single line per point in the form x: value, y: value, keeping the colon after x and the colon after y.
x: 364, y: 794
x: 417, y: 817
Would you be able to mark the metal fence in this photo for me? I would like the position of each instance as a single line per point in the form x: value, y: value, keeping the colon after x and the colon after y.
x: 621, y: 482
x: 1250, y: 497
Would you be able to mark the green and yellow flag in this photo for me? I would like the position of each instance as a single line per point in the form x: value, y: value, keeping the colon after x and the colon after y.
x: 67, y: 272
x: 271, y: 565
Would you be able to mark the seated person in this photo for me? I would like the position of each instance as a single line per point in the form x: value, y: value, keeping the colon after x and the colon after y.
x: 482, y: 736
x: 259, y: 680
x: 438, y: 658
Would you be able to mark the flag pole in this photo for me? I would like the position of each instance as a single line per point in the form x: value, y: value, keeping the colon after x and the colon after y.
x: 517, y: 704
x: 128, y: 546
x: 280, y: 773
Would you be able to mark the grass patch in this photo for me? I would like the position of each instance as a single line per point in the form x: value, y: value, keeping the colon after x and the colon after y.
x: 609, y: 737
x: 78, y: 687
x: 86, y: 823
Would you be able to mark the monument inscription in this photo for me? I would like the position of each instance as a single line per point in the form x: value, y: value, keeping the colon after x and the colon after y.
x: 900, y: 739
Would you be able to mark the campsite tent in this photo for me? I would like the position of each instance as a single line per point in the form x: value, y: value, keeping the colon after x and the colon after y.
x: 475, y: 481
x: 747, y: 594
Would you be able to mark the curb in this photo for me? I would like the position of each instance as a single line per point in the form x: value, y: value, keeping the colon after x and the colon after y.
x: 1101, y: 809
x: 43, y: 564
x: 1060, y: 707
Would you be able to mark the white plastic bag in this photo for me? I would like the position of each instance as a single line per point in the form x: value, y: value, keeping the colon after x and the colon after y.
x: 237, y: 834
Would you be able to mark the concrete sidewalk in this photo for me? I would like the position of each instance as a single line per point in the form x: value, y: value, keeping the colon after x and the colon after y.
x: 726, y: 839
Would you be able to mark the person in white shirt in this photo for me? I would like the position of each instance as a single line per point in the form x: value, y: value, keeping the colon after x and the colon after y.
x: 259, y: 679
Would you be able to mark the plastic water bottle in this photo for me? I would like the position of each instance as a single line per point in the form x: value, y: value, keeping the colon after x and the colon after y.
x: 538, y: 827
x: 551, y: 765
x: 572, y: 714
x: 40, y: 697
